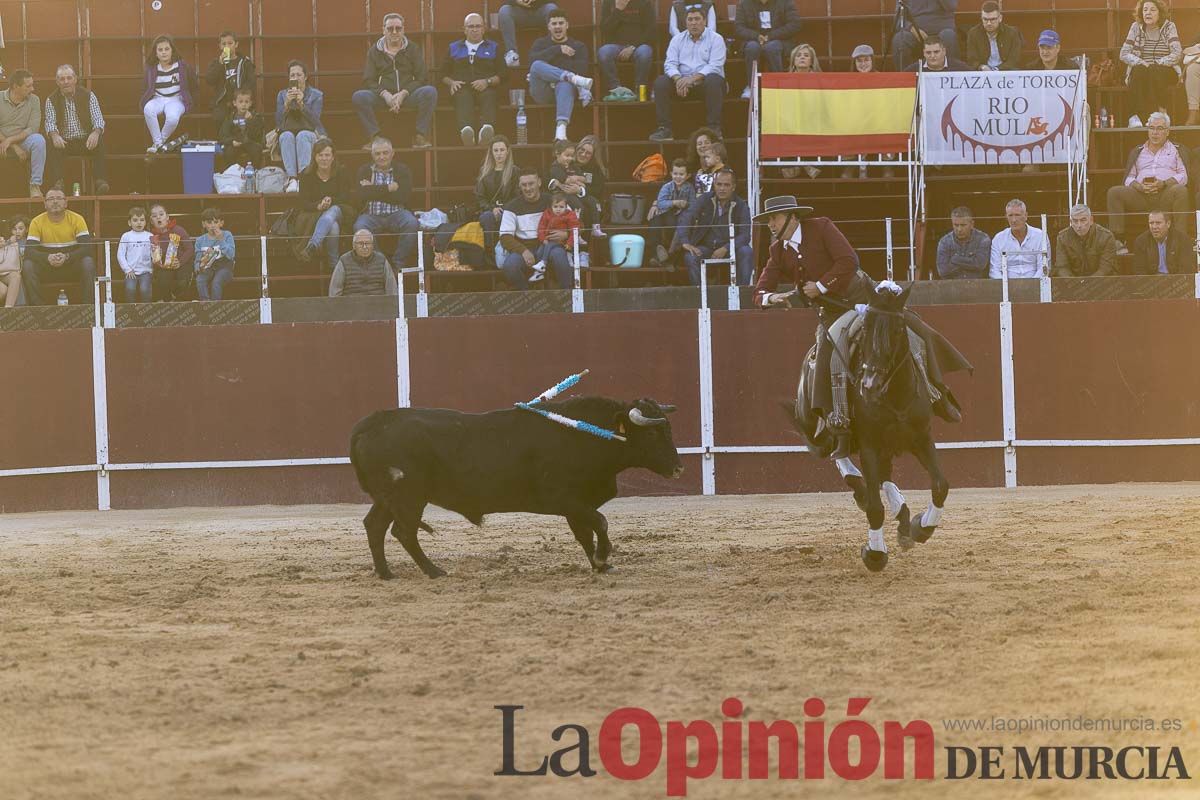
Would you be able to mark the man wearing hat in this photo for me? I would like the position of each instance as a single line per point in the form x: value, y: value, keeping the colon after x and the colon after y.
x: 1049, y: 45
x: 814, y: 255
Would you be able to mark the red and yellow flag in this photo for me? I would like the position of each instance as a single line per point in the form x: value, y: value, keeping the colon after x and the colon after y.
x: 835, y: 114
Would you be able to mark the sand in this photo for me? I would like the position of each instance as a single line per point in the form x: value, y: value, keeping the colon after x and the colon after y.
x: 252, y: 653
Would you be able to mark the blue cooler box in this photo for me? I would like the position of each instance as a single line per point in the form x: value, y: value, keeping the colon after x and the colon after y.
x: 199, y: 164
x: 626, y: 250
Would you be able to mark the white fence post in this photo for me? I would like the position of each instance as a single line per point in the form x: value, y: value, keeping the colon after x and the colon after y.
x: 577, y: 289
x: 264, y: 300
x: 422, y: 297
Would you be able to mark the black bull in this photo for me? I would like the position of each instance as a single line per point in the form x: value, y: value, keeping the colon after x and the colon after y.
x: 504, y: 461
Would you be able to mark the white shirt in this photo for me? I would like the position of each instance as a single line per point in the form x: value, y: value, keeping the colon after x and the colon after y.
x: 687, y: 56
x: 1020, y: 265
x: 133, y: 254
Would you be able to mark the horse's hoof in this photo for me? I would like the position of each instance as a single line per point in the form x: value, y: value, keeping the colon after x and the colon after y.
x: 920, y: 534
x: 604, y: 569
x: 875, y: 560
x: 904, y: 529
x: 436, y: 572
x: 385, y: 575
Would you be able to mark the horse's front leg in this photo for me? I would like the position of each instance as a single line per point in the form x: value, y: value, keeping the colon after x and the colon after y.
x: 923, y: 526
x: 854, y: 479
x: 897, y: 509
x: 874, y: 552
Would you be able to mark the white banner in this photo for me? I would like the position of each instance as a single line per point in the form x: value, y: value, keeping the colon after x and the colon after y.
x: 1034, y: 117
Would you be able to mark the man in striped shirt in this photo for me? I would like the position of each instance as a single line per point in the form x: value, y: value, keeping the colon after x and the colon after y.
x: 519, y: 237
x: 75, y: 127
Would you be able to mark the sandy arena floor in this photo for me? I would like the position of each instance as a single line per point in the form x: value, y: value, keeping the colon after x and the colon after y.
x: 252, y: 653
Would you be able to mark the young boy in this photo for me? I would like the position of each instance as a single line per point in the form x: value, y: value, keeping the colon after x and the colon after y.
x: 242, y: 136
x: 674, y: 196
x: 227, y: 73
x: 133, y: 254
x: 558, y: 217
x: 214, y: 256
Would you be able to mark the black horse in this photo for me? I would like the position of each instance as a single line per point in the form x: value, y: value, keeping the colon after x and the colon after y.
x: 891, y: 412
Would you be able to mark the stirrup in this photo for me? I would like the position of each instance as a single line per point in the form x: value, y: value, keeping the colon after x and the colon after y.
x: 838, y: 423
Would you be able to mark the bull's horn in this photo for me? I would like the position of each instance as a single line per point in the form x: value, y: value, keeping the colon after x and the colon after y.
x: 667, y: 408
x: 638, y: 418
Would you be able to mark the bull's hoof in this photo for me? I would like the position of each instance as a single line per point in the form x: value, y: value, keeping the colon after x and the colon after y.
x: 874, y: 560
x: 904, y: 528
x: 920, y: 534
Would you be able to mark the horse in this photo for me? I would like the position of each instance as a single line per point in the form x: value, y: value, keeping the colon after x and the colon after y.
x: 890, y: 415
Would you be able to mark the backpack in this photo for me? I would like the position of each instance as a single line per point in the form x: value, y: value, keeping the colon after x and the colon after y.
x: 653, y: 169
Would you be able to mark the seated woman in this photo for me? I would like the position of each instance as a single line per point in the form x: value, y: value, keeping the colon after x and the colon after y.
x: 298, y: 119
x: 168, y: 91
x: 698, y: 144
x: 495, y: 186
x: 172, y: 253
x: 864, y: 62
x: 11, y: 252
x: 803, y: 58
x: 328, y: 188
x: 589, y: 165
x: 1152, y: 52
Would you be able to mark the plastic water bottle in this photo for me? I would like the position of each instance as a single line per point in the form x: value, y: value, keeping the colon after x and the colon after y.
x: 248, y: 186
x: 1104, y: 120
x: 522, y: 128
x: 62, y: 297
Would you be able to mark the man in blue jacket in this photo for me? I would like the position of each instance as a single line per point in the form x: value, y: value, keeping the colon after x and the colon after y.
x: 395, y: 76
x: 472, y: 73
x: 556, y: 72
x: 703, y: 230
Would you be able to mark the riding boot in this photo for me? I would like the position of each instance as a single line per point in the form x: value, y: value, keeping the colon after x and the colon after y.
x: 838, y: 419
x: 942, y: 406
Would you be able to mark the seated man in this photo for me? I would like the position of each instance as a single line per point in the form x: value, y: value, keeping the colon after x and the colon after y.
x: 75, y: 127
x: 1084, y: 248
x: 59, y: 246
x: 20, y: 121
x: 395, y: 76
x: 1027, y: 247
x: 362, y: 271
x: 966, y: 250
x: 556, y: 72
x: 1162, y: 249
x: 703, y: 230
x: 1156, y: 178
x: 525, y: 254
x: 695, y: 57
x: 992, y: 45
x: 629, y: 32
x: 936, y: 59
x: 383, y: 189
x: 524, y: 14
x: 767, y: 27
x: 925, y: 19
x: 1049, y: 53
x: 472, y: 73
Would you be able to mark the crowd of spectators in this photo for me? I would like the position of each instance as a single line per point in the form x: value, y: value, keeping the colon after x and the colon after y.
x: 519, y: 209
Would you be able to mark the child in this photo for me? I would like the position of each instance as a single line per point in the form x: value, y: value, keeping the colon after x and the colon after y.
x: 710, y: 162
x: 214, y: 256
x: 674, y: 196
x: 242, y: 136
x: 566, y: 177
x: 11, y: 256
x: 170, y: 249
x: 133, y: 254
x: 20, y: 231
x: 558, y: 217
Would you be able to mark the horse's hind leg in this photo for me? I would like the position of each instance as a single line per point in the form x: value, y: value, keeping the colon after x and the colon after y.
x: 897, y: 509
x: 923, y: 526
x: 874, y: 552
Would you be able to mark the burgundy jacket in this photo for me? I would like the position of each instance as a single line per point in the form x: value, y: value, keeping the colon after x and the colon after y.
x: 825, y: 257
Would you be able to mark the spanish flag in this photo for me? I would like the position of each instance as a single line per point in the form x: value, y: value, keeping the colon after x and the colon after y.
x: 836, y: 114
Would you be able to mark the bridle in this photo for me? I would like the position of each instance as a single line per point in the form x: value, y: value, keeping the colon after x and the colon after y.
x: 895, y: 370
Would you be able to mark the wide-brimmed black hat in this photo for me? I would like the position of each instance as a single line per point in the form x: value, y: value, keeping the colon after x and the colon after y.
x: 782, y: 204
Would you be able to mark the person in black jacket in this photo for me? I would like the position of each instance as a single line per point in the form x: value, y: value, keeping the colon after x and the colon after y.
x: 242, y: 134
x: 227, y: 73
x: 1162, y: 249
x: 497, y: 184
x: 472, y: 73
x: 557, y: 72
x: 629, y: 31
x: 326, y: 188
x: 767, y: 27
x: 992, y: 45
x: 383, y: 190
x: 395, y: 76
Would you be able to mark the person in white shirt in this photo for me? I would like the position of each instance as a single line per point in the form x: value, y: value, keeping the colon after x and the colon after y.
x: 695, y: 58
x: 1027, y: 247
x: 133, y: 254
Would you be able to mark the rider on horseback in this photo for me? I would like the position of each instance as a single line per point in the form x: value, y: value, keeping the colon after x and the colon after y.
x: 817, y: 258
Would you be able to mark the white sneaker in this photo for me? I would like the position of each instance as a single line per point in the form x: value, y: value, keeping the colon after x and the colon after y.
x: 512, y: 59
x: 580, y: 81
x: 467, y: 134
x: 154, y: 148
x: 486, y: 134
x: 293, y: 185
x: 746, y: 93
x: 1135, y: 122
x: 539, y: 271
x: 560, y: 132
